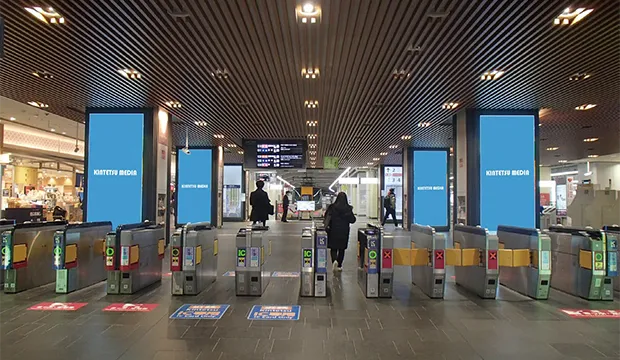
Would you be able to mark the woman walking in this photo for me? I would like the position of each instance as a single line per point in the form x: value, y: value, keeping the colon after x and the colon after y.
x: 338, y: 218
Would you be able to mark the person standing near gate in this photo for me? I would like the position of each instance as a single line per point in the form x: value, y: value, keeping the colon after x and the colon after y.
x: 285, y: 203
x: 261, y: 205
x: 389, y: 203
x: 338, y: 218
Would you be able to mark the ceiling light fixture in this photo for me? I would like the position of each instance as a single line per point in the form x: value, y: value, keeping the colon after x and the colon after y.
x: 579, y: 76
x: 240, y: 152
x: 38, y: 104
x: 312, y: 136
x: 130, y: 74
x: 562, y: 161
x: 569, y: 17
x: 376, y: 159
x: 311, y: 104
x: 400, y: 74
x: 310, y: 73
x: 218, y: 136
x: 48, y: 16
x: 308, y: 13
x: 450, y: 105
x: 312, y: 146
x: 492, y: 75
x: 554, y: 148
x: 43, y: 74
x: 592, y: 156
x: 369, y: 163
x: 585, y: 107
x: 312, y: 152
x: 312, y: 123
x: 232, y: 145
x: 200, y: 123
x: 173, y: 104
x: 406, y: 137
x: 12, y: 118
x: 393, y: 146
x: 220, y: 74
x: 346, y: 171
x: 424, y: 124
x: 590, y: 139
x: 383, y: 153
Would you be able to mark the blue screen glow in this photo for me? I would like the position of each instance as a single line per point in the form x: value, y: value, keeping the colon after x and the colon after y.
x: 114, y: 180
x: 430, y: 187
x: 194, y: 178
x: 507, y: 174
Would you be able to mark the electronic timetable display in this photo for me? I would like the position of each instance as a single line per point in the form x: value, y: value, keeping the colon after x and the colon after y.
x: 274, y: 154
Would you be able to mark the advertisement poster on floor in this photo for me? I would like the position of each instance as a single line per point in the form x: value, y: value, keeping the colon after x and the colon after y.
x: 120, y: 307
x: 275, y: 312
x: 58, y: 306
x: 200, y: 311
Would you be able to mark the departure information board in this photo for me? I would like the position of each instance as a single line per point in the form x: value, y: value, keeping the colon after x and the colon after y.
x: 278, y: 154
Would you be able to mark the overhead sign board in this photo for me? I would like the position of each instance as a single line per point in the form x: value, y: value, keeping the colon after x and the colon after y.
x: 275, y: 312
x: 200, y: 311
x: 331, y: 162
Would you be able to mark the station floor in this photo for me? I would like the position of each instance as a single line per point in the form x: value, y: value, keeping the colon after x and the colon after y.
x: 345, y: 325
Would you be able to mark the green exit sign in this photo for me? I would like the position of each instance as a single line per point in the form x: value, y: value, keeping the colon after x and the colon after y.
x: 331, y: 162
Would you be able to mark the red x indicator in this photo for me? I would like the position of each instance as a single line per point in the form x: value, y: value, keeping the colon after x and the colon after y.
x: 492, y: 255
x: 439, y: 255
x: 387, y: 254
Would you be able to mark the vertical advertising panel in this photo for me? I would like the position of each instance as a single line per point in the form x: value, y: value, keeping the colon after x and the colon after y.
x: 430, y: 188
x: 507, y: 171
x: 393, y: 179
x: 233, y: 176
x: 194, y: 185
x: 114, y: 168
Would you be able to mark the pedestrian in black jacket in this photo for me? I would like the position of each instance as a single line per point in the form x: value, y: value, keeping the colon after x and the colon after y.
x: 261, y: 205
x: 338, y: 218
x: 285, y: 204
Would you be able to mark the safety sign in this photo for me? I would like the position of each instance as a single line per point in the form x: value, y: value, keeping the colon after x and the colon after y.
x: 591, y: 314
x: 120, y: 307
x: 229, y: 273
x: 200, y: 311
x: 275, y: 312
x: 58, y: 306
x: 285, y: 274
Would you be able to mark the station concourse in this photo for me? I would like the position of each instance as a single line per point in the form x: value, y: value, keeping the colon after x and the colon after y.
x: 175, y: 174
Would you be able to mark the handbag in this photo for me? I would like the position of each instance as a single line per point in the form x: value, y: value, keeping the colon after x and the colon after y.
x: 327, y: 220
x: 271, y: 210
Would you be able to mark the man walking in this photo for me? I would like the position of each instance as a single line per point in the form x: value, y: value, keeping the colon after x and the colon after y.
x: 389, y: 203
x: 285, y: 203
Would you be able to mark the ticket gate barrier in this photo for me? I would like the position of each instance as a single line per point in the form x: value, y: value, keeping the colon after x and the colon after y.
x: 134, y: 255
x: 193, y: 258
x: 28, y: 260
x: 428, y: 250
x: 253, y: 247
x: 79, y: 255
x: 313, y: 262
x: 5, y: 225
x: 612, y: 233
x: 579, y: 261
x: 374, y: 254
x: 525, y: 261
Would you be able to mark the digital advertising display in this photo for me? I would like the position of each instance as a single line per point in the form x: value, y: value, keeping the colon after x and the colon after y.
x: 194, y: 186
x: 507, y: 171
x: 114, y: 168
x: 430, y: 187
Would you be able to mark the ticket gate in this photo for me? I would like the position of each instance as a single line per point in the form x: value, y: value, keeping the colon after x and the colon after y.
x: 431, y: 276
x: 612, y: 239
x: 5, y: 225
x: 478, y: 269
x: 28, y: 260
x: 79, y: 255
x: 579, y: 261
x: 313, y: 262
x: 193, y: 258
x: 134, y: 255
x: 375, y: 272
x: 529, y: 270
x: 251, y: 275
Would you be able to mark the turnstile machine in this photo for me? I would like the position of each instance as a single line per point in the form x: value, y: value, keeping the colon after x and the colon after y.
x: 480, y: 262
x: 313, y: 262
x: 193, y: 258
x: 579, y: 261
x: 5, y: 225
x: 612, y: 238
x: 134, y: 255
x: 431, y: 279
x: 28, y: 259
x: 79, y: 255
x: 251, y: 275
x: 375, y: 271
x: 533, y: 280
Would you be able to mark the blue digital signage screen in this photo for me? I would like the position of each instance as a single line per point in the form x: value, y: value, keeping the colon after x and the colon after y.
x: 430, y: 187
x: 194, y: 181
x: 114, y: 170
x: 507, y: 173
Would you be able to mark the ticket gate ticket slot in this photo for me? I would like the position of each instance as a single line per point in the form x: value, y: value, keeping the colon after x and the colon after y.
x: 313, y: 262
x: 612, y: 233
x: 579, y: 261
x: 193, y: 254
x: 252, y: 249
x: 28, y: 258
x: 525, y: 261
x: 79, y: 255
x: 370, y: 254
x: 5, y: 225
x: 428, y: 270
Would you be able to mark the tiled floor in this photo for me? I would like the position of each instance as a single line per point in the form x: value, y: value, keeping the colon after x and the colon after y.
x: 345, y: 325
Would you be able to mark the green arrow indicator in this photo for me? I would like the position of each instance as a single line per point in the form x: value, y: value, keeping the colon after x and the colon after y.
x: 109, y: 251
x: 372, y: 254
x: 598, y: 257
x: 4, y: 250
x: 57, y: 251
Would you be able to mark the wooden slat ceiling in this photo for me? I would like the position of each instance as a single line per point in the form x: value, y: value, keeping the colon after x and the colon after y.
x: 357, y: 45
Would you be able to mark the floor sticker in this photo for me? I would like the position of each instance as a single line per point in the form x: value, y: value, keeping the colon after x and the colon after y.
x: 48, y: 306
x: 229, y: 273
x: 200, y: 311
x: 119, y: 307
x: 591, y: 314
x: 285, y: 274
x: 275, y: 312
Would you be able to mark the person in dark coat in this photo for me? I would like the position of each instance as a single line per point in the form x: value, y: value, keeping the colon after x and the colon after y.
x: 261, y: 205
x: 285, y: 204
x: 338, y: 218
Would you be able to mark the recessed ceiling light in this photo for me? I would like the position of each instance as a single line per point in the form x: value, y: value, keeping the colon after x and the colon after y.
x: 450, y: 105
x: 43, y: 74
x: 310, y: 73
x: 376, y: 159
x: 424, y: 124
x: 383, y: 153
x: 12, y: 118
x: 406, y: 137
x: 200, y: 123
x: 173, y: 104
x: 492, y: 75
x: 312, y: 136
x: 370, y: 164
x: 569, y: 17
x: 232, y: 145
x: 312, y: 123
x: 393, y: 146
x: 218, y: 136
x: 38, y: 104
x: 400, y: 74
x: 592, y: 156
x: 312, y: 152
x: 312, y: 146
x: 579, y: 76
x: 585, y: 107
x: 590, y: 139
x: 311, y: 104
x: 308, y: 13
x: 240, y: 152
x: 64, y: 133
x: 553, y: 148
x: 562, y: 161
x: 48, y: 16
x: 130, y: 74
x: 53, y: 130
x: 312, y: 158
x: 220, y: 74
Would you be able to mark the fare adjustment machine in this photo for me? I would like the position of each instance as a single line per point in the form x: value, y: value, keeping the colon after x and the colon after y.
x: 313, y: 262
x: 251, y: 275
x: 375, y: 266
